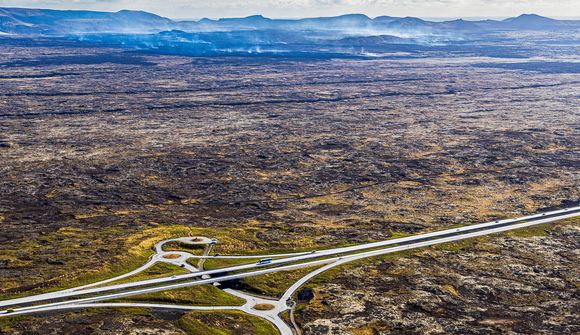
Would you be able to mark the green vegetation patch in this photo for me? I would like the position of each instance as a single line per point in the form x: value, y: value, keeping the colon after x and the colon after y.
x: 539, y: 230
x: 461, y: 245
x: 377, y: 327
x: 217, y: 263
x: 201, y: 295
x: 6, y: 323
x: 158, y: 270
x: 125, y: 254
x: 276, y: 283
x: 225, y: 323
x: 196, y: 249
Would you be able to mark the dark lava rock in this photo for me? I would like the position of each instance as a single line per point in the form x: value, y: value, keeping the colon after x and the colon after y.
x: 55, y: 261
x: 305, y: 294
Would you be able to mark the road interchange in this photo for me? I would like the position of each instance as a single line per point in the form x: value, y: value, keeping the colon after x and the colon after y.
x: 324, y: 259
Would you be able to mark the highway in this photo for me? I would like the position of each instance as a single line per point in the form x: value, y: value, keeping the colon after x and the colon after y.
x: 330, y: 258
x: 299, y: 257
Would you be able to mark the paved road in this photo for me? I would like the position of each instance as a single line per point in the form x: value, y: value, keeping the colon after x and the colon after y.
x: 550, y: 216
x: 271, y: 315
x: 341, y: 256
x: 454, y: 234
x: 206, y: 252
x: 405, y: 243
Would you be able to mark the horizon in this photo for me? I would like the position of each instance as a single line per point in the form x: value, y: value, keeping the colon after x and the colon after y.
x: 278, y: 9
x: 427, y: 18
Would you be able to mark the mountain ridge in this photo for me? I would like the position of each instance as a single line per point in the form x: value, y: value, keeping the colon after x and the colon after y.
x: 32, y: 21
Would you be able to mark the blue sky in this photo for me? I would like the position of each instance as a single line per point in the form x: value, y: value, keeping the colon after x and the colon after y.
x: 310, y: 8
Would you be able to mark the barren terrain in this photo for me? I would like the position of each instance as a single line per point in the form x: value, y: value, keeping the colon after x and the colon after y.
x: 104, y: 152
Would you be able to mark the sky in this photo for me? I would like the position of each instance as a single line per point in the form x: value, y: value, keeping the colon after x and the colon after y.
x: 195, y: 9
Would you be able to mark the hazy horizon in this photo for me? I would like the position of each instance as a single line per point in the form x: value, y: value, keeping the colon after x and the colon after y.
x: 428, y: 18
x: 295, y: 9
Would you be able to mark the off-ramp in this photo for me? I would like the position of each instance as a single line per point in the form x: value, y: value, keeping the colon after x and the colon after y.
x: 327, y: 259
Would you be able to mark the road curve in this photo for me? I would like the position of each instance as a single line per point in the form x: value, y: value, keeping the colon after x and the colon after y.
x: 544, y: 217
x: 457, y: 234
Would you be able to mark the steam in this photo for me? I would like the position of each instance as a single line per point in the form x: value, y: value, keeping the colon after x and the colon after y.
x: 353, y: 35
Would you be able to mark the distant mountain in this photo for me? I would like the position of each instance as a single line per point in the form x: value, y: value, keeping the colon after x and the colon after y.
x: 531, y: 22
x: 250, y: 21
x: 336, y: 22
x: 349, y: 21
x: 409, y: 23
x: 459, y: 25
x: 385, y: 19
x: 45, y: 21
x: 24, y: 21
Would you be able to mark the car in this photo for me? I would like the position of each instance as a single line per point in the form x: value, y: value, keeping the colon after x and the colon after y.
x: 173, y: 277
x: 313, y: 252
x: 216, y: 254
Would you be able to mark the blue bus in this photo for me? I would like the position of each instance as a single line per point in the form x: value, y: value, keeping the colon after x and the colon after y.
x: 265, y: 261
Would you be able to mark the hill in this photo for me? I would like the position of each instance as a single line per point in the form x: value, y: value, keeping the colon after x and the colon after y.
x: 22, y: 21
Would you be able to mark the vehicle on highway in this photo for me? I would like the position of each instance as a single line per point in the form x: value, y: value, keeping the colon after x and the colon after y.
x: 213, y: 241
x: 386, y: 247
x: 264, y: 261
